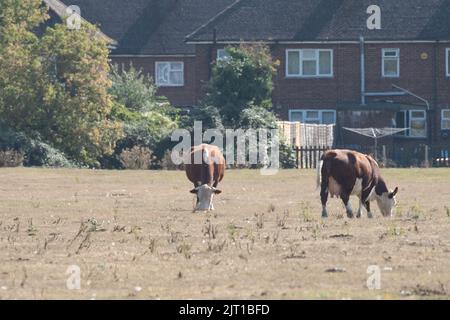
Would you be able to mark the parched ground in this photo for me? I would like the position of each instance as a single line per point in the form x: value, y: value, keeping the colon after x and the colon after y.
x: 133, y: 235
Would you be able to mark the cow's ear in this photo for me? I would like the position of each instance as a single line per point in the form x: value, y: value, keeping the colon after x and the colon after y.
x: 193, y: 191
x: 393, y: 193
x: 216, y: 191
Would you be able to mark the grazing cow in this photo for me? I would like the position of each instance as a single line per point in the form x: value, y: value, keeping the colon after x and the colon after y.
x: 344, y: 172
x: 205, y: 174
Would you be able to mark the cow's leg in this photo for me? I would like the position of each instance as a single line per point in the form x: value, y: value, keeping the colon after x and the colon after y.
x: 358, y: 214
x: 324, y: 198
x: 211, y: 205
x: 346, y: 199
x: 369, y: 214
x: 196, y: 197
x: 215, y: 184
x: 365, y: 197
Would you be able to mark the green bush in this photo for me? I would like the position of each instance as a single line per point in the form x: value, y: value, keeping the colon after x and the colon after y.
x: 136, y: 158
x: 207, y: 114
x: 147, y: 120
x: 35, y: 151
x: 256, y: 117
x: 10, y: 158
x: 287, y: 155
x: 134, y: 90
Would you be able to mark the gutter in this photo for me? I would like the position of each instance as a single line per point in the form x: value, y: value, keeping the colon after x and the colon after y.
x: 363, y: 71
x: 324, y: 42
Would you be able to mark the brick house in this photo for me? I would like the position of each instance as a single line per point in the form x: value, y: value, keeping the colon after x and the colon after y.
x: 404, y: 80
x: 150, y: 34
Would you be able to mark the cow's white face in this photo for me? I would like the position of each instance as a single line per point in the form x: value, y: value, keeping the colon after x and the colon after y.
x: 205, y: 195
x: 386, y: 202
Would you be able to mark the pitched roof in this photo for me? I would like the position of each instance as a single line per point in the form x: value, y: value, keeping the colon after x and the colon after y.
x: 149, y: 27
x: 60, y: 10
x: 327, y: 20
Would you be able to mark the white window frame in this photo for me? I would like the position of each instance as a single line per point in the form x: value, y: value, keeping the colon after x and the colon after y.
x: 305, y: 111
x: 447, y: 66
x: 222, y: 55
x: 317, y: 55
x: 424, y: 118
x: 157, y: 63
x: 383, y: 51
x: 407, y: 134
x: 444, y: 119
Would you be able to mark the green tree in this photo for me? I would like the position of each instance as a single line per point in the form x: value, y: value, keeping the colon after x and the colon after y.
x: 20, y: 64
x: 56, y: 85
x: 21, y: 15
x: 240, y: 81
x: 75, y: 103
x: 241, y: 89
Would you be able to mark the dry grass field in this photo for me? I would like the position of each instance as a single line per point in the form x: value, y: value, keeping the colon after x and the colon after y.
x: 134, y: 236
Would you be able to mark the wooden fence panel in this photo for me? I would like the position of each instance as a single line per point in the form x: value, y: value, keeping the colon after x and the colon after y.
x: 309, y: 157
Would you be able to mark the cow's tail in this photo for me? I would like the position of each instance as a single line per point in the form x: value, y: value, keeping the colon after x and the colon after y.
x: 319, y: 173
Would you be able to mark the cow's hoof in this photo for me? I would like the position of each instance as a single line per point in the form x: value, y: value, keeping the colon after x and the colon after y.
x: 324, y: 214
x: 350, y: 215
x: 370, y: 215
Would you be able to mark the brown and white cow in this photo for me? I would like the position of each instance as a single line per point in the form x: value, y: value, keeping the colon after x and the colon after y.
x: 343, y: 173
x: 205, y: 169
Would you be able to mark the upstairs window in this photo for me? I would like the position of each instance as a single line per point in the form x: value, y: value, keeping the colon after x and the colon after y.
x: 313, y: 116
x: 445, y: 119
x: 169, y: 74
x: 391, y: 63
x: 414, y: 120
x: 309, y: 63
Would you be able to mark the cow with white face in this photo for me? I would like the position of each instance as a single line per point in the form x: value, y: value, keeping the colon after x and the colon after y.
x: 205, y: 168
x: 343, y: 173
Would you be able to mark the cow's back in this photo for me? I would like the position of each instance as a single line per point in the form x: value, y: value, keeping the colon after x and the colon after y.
x: 209, y: 169
x: 345, y: 166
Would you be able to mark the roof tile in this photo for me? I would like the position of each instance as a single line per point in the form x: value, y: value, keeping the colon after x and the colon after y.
x: 328, y: 20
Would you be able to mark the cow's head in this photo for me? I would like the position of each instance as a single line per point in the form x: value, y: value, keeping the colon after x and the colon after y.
x: 205, y: 195
x: 386, y: 202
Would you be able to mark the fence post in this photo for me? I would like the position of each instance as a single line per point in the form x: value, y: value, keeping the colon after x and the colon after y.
x: 301, y: 157
x: 313, y: 165
x: 310, y: 157
x: 427, y: 162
